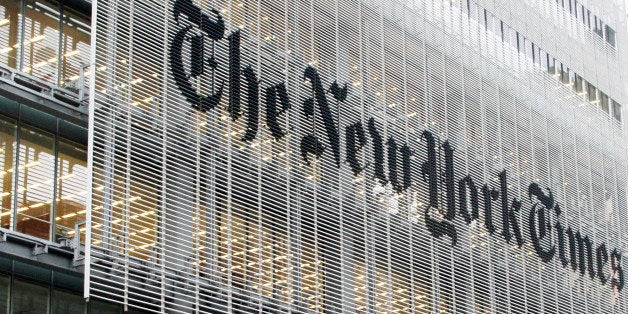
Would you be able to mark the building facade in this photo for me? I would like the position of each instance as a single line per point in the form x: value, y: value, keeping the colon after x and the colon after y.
x: 295, y: 156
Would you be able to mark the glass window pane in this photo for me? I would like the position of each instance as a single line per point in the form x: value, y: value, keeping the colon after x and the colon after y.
x: 604, y: 103
x: 490, y: 22
x: 617, y: 111
x: 504, y: 31
x: 551, y: 65
x: 579, y: 84
x: 35, y: 182
x: 74, y: 47
x: 71, y: 187
x: 599, y: 26
x: 592, y: 92
x: 9, y: 32
x: 543, y: 60
x: 139, y: 210
x: 41, y: 40
x: 473, y: 10
x: 610, y: 36
x: 7, y: 162
x: 564, y: 74
x: 5, y: 282
x: 258, y: 258
x: 98, y: 307
x: 67, y: 303
x: 583, y: 14
x: 571, y: 6
x: 29, y: 298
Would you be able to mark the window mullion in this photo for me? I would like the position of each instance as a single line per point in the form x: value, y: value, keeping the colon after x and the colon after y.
x: 55, y: 182
x: 16, y: 172
x: 60, y: 45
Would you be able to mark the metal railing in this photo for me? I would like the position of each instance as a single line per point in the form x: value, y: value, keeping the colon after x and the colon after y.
x: 74, y: 99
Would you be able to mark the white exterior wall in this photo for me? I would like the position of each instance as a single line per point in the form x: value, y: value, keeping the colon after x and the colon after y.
x: 175, y: 187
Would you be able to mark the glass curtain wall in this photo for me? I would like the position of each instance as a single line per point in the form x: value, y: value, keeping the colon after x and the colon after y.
x: 44, y: 181
x: 25, y: 296
x: 45, y: 39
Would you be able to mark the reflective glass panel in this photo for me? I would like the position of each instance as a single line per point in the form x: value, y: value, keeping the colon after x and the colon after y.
x: 617, y: 111
x: 592, y: 92
x: 7, y: 162
x: 41, y: 40
x: 35, y: 182
x: 98, y: 307
x: 71, y: 187
x: 610, y: 36
x: 579, y: 87
x: 256, y: 258
x: 74, y: 48
x: 5, y: 282
x: 110, y: 220
x: 67, y: 303
x: 604, y: 105
x: 9, y: 32
x: 29, y: 298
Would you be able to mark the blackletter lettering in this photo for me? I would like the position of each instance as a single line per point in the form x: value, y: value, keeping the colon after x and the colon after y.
x: 618, y: 274
x: 439, y: 221
x: 406, y: 153
x: 311, y: 145
x: 429, y: 168
x: 199, y: 102
x: 515, y: 207
x: 449, y: 181
x: 214, y: 30
x: 252, y: 101
x: 602, y: 258
x: 539, y: 222
x: 234, y: 75
x: 378, y: 152
x: 562, y: 254
x: 356, y: 139
x: 197, y: 56
x: 272, y: 113
x: 466, y: 186
x: 577, y: 253
x: 537, y: 218
x: 252, y: 89
x: 490, y: 195
x: 573, y: 253
x: 429, y: 172
x: 320, y: 99
x: 509, y: 218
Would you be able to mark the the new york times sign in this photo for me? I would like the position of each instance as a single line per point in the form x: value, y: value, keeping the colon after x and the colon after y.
x: 463, y: 195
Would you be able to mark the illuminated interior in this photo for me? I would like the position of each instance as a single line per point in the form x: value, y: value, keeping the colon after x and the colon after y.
x: 35, y: 184
x: 44, y: 39
x: 72, y: 174
x: 393, y: 292
x: 44, y: 188
x: 259, y: 259
x: 43, y: 175
x: 8, y: 142
x: 130, y: 218
x: 43, y: 184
